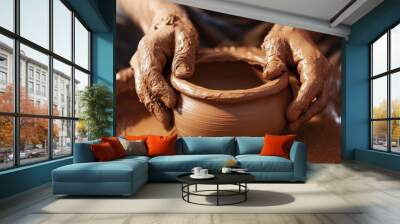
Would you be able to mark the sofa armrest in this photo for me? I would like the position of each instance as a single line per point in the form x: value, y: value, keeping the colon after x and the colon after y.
x: 83, y: 152
x: 298, y: 155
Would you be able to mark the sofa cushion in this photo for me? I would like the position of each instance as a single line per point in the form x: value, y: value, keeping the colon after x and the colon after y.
x: 249, y: 145
x: 134, y: 147
x: 257, y: 163
x: 161, y: 145
x: 206, y: 145
x: 277, y: 145
x: 103, y: 152
x: 112, y: 171
x: 185, y: 163
x: 116, y: 145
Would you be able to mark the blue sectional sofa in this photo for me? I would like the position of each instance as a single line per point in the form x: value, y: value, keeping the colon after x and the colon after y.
x: 125, y: 176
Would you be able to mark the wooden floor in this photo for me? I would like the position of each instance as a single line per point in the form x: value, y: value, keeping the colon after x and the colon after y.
x: 377, y: 188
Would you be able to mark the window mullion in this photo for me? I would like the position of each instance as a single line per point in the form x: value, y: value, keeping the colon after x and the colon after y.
x: 389, y: 104
x: 16, y: 69
x: 371, y: 89
x: 73, y: 82
x: 50, y: 81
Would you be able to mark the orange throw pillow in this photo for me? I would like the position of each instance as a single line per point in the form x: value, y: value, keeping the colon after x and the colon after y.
x: 116, y: 145
x: 277, y: 145
x: 135, y: 137
x: 103, y: 152
x: 161, y: 145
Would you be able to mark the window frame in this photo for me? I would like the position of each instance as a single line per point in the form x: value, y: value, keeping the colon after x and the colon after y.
x: 16, y: 114
x: 388, y: 74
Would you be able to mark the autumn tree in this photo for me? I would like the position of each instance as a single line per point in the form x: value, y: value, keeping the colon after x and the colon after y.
x: 33, y: 131
x: 379, y: 128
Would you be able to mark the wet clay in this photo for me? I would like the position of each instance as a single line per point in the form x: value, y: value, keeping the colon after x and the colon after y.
x: 226, y: 97
x: 287, y: 46
x: 169, y: 35
x: 226, y: 75
x: 171, y: 41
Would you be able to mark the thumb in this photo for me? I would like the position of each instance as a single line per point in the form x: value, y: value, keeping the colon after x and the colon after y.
x: 186, y: 44
x: 276, y: 51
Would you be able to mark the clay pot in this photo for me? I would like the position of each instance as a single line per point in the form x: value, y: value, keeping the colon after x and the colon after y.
x: 226, y: 96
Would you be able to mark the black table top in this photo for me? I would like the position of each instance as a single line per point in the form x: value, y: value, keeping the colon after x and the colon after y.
x: 220, y: 178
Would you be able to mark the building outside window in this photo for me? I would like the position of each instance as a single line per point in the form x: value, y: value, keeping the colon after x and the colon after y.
x: 38, y: 89
x: 57, y: 128
x: 30, y: 87
x: 44, y: 77
x: 30, y: 72
x: 3, y: 72
x: 43, y: 90
x: 37, y: 74
x: 385, y: 91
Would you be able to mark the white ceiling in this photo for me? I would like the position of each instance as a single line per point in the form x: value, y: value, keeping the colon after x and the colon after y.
x: 325, y: 16
x: 320, y: 9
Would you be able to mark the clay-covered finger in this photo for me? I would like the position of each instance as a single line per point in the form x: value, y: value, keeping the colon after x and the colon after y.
x: 276, y: 52
x: 310, y: 87
x: 312, y: 80
x: 314, y: 109
x: 153, y: 52
x: 151, y: 86
x: 158, y: 110
x: 186, y: 46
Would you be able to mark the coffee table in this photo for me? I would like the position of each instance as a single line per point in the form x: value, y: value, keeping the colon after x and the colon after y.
x: 238, y: 179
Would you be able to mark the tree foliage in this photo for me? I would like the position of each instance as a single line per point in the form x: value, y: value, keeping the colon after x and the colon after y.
x: 96, y: 102
x: 33, y: 131
x: 379, y: 128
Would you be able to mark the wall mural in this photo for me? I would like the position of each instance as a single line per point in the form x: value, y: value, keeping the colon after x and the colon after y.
x: 194, y: 72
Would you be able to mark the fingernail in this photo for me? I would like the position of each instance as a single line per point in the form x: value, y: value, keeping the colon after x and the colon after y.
x: 182, y: 69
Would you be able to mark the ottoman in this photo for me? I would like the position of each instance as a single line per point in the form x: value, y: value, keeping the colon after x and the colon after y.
x: 118, y: 177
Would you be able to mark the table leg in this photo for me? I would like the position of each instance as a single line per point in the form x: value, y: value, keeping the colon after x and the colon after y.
x: 245, y: 193
x: 195, y: 188
x: 217, y: 194
x: 182, y: 189
x: 188, y: 189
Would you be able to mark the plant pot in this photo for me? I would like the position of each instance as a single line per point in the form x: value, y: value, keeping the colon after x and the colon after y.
x: 227, y: 97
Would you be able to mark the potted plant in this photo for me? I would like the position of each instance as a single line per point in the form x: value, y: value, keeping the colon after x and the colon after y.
x: 96, y: 103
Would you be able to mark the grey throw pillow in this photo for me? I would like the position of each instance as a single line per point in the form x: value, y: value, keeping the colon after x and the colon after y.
x: 134, y: 147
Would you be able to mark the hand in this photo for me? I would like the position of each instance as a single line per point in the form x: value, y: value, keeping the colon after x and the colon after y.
x: 171, y: 38
x: 287, y: 47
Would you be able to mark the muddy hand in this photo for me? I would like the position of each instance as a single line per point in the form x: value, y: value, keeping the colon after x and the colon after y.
x: 290, y: 47
x: 169, y: 38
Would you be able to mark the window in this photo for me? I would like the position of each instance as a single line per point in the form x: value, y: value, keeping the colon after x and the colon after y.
x: 62, y: 29
x: 62, y: 137
x: 3, y: 61
x: 81, y: 45
x: 3, y: 72
x: 6, y: 142
x: 30, y: 87
x: 81, y: 81
x: 7, y: 14
x: 41, y: 123
x: 38, y: 89
x: 385, y: 94
x: 7, y: 74
x: 38, y: 74
x: 34, y: 21
x: 3, y: 78
x: 30, y: 72
x: 44, y: 91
